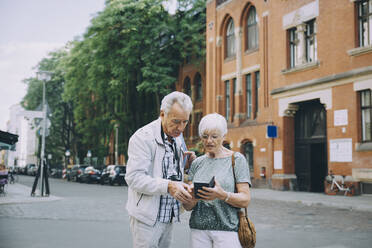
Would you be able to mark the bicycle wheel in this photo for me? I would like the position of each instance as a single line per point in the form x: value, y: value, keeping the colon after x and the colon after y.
x: 334, y: 188
x: 351, y: 191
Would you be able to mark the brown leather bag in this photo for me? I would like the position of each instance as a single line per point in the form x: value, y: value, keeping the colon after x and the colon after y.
x: 246, y: 231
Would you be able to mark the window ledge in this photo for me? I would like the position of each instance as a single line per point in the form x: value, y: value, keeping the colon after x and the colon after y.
x: 360, y: 50
x: 252, y: 50
x: 230, y: 58
x: 249, y: 122
x: 361, y: 147
x: 302, y: 67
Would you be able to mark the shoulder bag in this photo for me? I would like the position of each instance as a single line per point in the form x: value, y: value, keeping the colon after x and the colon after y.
x: 246, y: 231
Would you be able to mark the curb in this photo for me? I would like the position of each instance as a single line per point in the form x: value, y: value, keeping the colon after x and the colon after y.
x: 360, y: 203
x: 18, y: 193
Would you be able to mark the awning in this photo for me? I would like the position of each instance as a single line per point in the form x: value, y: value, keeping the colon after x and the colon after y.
x: 7, y: 140
x: 4, y: 146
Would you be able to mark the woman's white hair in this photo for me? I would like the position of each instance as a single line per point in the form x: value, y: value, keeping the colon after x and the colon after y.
x: 181, y: 98
x: 213, y: 122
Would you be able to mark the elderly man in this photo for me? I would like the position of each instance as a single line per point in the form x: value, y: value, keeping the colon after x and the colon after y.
x: 155, y: 173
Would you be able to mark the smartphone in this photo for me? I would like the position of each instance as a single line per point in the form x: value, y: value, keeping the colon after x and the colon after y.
x: 198, y: 186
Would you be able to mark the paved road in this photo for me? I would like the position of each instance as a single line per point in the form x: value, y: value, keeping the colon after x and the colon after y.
x: 94, y: 216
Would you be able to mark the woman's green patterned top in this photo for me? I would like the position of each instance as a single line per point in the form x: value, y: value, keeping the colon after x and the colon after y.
x: 217, y: 214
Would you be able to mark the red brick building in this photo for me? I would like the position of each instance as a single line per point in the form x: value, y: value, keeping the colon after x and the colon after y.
x: 191, y: 80
x: 303, y: 67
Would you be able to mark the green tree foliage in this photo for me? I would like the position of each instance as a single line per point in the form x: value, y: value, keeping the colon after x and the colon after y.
x: 117, y: 73
x: 60, y: 114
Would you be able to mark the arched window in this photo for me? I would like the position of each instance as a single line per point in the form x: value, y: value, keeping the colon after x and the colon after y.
x: 226, y: 144
x: 230, y: 39
x: 187, y: 86
x: 252, y: 29
x: 227, y: 100
x: 248, y: 153
x: 199, y: 86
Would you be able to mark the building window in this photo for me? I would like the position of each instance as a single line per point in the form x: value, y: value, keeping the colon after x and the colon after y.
x: 257, y: 77
x: 302, y: 44
x: 199, y: 87
x: 188, y: 128
x: 366, y: 112
x: 292, y: 46
x: 230, y: 39
x: 251, y: 94
x: 226, y: 144
x: 252, y: 29
x: 365, y: 22
x: 248, y: 88
x: 310, y: 41
x: 197, y: 120
x: 227, y: 99
x: 248, y: 153
x: 187, y: 86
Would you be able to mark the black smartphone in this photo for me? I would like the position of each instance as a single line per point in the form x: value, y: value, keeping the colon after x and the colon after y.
x: 198, y: 186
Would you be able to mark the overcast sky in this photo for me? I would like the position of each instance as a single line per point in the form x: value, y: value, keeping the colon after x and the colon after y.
x: 29, y: 29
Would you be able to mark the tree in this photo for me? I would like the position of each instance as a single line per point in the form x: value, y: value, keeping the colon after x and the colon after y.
x: 61, y: 127
x: 126, y: 62
x: 118, y: 71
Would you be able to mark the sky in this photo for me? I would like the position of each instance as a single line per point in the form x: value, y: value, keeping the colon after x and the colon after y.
x: 29, y: 30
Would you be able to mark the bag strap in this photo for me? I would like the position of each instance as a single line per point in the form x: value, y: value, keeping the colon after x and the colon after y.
x: 235, y: 188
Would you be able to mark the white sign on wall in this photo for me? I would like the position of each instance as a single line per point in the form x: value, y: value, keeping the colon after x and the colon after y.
x: 341, y: 150
x: 340, y: 117
x: 278, y: 165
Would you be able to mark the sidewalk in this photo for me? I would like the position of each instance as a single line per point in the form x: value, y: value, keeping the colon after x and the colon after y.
x: 362, y: 203
x: 19, y: 193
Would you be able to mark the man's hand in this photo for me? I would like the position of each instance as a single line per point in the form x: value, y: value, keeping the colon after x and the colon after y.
x: 192, y: 202
x: 180, y: 191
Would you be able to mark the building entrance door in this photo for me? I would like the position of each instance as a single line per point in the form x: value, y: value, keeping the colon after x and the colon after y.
x: 311, y: 146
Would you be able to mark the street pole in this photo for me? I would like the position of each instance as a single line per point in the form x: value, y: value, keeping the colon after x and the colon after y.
x: 42, y: 155
x: 43, y: 76
x: 116, y: 143
x: 89, y: 155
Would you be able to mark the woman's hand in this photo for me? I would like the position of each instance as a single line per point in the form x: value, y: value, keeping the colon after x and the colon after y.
x: 210, y: 194
x: 240, y: 199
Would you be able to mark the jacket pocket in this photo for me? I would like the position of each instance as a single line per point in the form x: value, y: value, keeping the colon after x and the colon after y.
x: 139, y: 199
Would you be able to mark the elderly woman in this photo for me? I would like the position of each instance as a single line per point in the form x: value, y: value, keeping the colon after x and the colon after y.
x: 214, y: 218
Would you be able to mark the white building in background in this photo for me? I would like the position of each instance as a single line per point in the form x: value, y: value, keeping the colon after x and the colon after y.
x: 23, y: 123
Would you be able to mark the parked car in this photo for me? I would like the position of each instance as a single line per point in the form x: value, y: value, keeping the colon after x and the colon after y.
x: 76, y: 171
x: 25, y: 170
x: 90, y: 175
x: 114, y: 174
x: 31, y: 169
x: 105, y: 174
x: 118, y: 175
x: 56, y: 172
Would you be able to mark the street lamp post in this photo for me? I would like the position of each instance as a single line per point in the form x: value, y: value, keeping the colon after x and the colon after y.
x: 49, y: 160
x: 116, y: 143
x: 43, y: 76
x: 89, y: 155
x: 67, y: 154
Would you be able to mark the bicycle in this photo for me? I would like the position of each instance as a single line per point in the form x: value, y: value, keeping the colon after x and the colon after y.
x: 13, y: 177
x: 339, y: 187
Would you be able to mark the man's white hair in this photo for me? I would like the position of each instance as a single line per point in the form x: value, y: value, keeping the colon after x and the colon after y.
x: 181, y: 98
x: 213, y: 122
